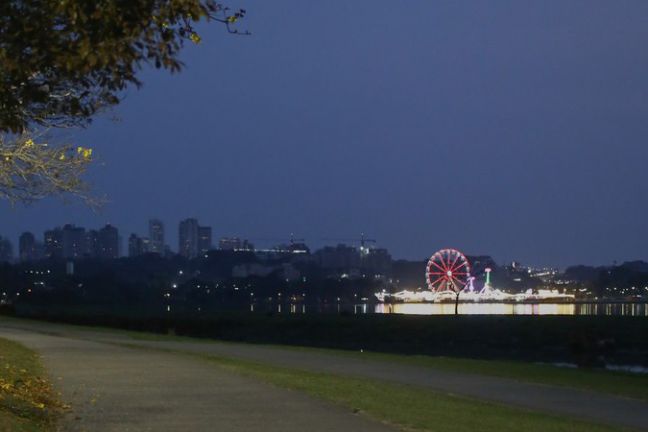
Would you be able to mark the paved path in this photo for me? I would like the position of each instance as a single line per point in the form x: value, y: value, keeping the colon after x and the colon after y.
x: 563, y: 401
x: 114, y: 388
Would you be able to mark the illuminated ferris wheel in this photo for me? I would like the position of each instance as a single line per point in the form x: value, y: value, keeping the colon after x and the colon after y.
x: 447, y: 270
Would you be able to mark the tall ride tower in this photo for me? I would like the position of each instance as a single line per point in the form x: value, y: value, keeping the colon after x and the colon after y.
x: 487, y: 286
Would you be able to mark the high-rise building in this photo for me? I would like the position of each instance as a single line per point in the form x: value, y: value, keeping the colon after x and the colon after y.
x: 108, y: 242
x: 73, y: 241
x: 136, y: 245
x: 6, y: 250
x: 188, y: 238
x: 28, y: 248
x: 146, y: 245
x: 53, y: 243
x: 204, y: 239
x: 156, y: 236
x: 92, y: 243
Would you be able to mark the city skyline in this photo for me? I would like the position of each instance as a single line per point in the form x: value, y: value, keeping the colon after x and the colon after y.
x: 76, y: 241
x: 510, y: 128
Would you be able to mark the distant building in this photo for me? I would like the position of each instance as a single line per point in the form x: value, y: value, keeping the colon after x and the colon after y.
x: 234, y: 243
x: 204, y: 239
x: 53, y: 243
x: 73, y: 242
x: 28, y: 248
x: 92, y: 244
x: 6, y: 250
x: 108, y: 242
x: 298, y: 248
x: 229, y: 243
x: 188, y: 238
x: 193, y: 239
x: 376, y: 262
x: 365, y: 262
x: 146, y: 245
x: 341, y: 258
x: 156, y: 236
x: 136, y: 245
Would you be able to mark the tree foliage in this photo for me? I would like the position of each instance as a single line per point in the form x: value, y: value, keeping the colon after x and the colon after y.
x: 61, y: 61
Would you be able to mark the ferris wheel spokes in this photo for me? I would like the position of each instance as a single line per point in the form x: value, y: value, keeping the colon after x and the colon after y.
x: 447, y: 272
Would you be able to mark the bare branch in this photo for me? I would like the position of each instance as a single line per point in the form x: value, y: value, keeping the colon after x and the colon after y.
x: 31, y: 169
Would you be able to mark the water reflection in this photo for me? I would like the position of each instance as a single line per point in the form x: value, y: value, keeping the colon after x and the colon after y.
x: 296, y: 308
x: 626, y: 309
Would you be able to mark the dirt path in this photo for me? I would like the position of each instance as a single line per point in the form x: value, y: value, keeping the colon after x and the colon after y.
x: 113, y: 388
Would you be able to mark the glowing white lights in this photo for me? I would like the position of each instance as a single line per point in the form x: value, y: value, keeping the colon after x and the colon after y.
x: 448, y: 278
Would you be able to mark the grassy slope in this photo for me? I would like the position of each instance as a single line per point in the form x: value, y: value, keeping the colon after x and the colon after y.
x: 410, y: 408
x: 27, y: 401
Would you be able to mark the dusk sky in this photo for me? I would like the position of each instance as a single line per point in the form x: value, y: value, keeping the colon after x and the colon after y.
x: 514, y: 128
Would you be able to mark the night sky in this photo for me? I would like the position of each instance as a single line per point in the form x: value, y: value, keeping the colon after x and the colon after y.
x: 514, y: 128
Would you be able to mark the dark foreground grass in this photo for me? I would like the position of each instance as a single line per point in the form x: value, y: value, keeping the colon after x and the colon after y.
x: 27, y: 401
x: 410, y: 408
x: 576, y: 339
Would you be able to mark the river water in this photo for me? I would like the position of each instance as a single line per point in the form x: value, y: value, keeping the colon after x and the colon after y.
x: 624, y: 309
x: 618, y: 309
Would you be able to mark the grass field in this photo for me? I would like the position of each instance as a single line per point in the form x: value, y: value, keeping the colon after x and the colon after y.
x: 618, y: 383
x: 27, y: 401
x: 410, y: 408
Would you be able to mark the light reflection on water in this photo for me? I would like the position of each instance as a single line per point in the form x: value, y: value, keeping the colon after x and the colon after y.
x: 623, y: 309
x: 626, y: 309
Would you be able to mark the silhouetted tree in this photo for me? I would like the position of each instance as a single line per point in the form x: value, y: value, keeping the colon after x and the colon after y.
x: 62, y: 61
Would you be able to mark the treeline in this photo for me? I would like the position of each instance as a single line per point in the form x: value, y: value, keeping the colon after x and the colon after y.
x: 627, y: 279
x: 156, y: 283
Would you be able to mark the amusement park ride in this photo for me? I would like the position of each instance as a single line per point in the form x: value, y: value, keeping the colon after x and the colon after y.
x: 448, y: 278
